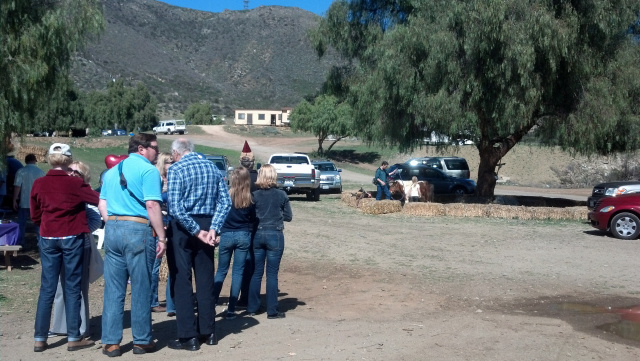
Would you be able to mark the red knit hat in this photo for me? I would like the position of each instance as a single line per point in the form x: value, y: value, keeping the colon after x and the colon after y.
x: 246, y: 154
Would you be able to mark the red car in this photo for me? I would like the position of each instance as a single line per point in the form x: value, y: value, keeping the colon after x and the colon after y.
x: 618, y: 215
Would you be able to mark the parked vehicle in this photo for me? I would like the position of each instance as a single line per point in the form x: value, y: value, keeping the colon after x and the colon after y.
x: 435, y: 139
x: 120, y: 132
x: 612, y: 189
x: 170, y: 127
x: 330, y: 179
x: 41, y: 134
x: 442, y: 183
x: 108, y: 132
x: 296, y: 174
x: 620, y: 216
x: 453, y: 166
x: 222, y: 163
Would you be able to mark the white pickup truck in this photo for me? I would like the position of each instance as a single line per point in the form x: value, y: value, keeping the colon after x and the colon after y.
x: 170, y: 127
x: 297, y: 175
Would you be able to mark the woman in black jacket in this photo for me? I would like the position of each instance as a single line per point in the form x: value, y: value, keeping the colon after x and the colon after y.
x: 235, y: 237
x: 272, y: 210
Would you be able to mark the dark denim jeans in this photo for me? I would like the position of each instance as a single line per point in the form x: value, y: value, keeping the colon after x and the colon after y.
x: 154, y: 269
x: 56, y: 254
x: 127, y: 254
x: 171, y: 306
x: 268, y: 247
x: 23, y: 217
x: 236, y: 243
x: 381, y: 189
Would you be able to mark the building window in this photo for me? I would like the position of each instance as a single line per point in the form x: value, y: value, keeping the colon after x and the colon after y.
x: 279, y: 116
x: 241, y: 116
x: 260, y: 116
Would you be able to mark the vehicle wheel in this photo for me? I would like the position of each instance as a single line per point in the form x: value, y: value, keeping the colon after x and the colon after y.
x: 155, y: 133
x: 625, y: 226
x: 459, y: 191
x: 314, y: 195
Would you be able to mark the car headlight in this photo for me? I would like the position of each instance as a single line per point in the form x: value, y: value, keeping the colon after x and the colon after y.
x: 615, y: 191
x: 338, y: 178
x: 607, y: 209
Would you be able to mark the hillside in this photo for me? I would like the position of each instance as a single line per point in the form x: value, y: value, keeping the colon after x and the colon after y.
x: 258, y: 58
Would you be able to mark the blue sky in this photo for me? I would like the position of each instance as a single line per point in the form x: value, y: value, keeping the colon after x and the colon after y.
x: 316, y: 6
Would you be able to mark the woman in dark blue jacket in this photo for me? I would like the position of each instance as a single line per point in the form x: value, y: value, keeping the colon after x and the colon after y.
x: 272, y: 210
x: 235, y: 237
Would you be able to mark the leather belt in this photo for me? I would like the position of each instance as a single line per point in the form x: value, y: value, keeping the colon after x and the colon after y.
x: 129, y: 218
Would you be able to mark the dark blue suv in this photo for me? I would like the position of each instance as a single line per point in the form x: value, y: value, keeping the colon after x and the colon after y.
x: 442, y: 183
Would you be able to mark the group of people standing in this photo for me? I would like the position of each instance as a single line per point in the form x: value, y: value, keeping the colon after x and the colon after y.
x: 201, y: 213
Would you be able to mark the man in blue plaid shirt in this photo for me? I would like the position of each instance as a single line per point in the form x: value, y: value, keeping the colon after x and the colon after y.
x: 198, y: 202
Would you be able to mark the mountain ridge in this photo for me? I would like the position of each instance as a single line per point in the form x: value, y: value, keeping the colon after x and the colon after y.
x: 259, y: 58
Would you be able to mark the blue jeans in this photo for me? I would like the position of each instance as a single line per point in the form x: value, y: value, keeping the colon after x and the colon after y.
x: 171, y: 307
x: 236, y: 243
x: 154, y: 269
x: 268, y: 246
x: 23, y: 217
x: 54, y: 255
x: 383, y: 188
x: 127, y: 254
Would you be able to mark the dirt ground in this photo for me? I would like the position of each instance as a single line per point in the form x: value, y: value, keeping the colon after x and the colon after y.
x: 394, y: 287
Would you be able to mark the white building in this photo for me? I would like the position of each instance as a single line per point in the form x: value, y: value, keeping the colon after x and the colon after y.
x: 276, y: 118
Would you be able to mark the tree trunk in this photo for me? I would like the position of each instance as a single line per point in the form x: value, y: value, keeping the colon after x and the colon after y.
x: 333, y: 143
x: 491, y: 152
x: 320, y: 150
x: 489, y: 159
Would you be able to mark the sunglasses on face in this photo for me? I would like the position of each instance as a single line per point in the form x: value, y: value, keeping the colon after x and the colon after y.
x: 77, y: 173
x: 154, y: 147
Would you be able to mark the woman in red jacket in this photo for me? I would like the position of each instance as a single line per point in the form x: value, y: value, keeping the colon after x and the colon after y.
x: 58, y: 207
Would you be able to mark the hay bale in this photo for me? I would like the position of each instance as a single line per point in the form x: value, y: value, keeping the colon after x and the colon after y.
x: 464, y: 210
x: 380, y: 207
x: 164, y: 270
x: 424, y: 209
x: 39, y: 152
x: 356, y: 199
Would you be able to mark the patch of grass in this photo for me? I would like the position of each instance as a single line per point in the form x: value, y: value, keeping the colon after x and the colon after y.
x: 195, y: 130
x: 264, y: 131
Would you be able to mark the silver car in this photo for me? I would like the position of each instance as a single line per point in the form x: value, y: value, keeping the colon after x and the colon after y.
x: 330, y: 179
x: 453, y: 166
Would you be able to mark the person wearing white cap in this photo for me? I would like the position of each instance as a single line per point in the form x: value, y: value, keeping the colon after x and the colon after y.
x: 58, y: 205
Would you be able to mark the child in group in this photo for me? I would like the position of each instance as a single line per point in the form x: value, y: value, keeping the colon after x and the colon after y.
x: 272, y: 210
x: 235, y: 237
x: 413, y: 190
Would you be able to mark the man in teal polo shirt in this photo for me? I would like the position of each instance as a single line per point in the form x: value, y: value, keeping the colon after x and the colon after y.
x: 130, y: 204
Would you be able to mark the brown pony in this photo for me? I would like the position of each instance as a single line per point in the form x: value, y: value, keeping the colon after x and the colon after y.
x: 426, y: 191
x: 397, y: 191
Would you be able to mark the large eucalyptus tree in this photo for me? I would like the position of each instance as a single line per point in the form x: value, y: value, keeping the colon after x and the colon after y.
x: 495, y: 69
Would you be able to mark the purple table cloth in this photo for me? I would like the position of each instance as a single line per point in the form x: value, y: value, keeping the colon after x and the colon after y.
x: 9, y: 233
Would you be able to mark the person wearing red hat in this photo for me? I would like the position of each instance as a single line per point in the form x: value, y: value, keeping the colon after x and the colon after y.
x: 247, y: 160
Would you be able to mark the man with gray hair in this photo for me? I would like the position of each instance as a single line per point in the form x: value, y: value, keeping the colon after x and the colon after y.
x: 198, y: 202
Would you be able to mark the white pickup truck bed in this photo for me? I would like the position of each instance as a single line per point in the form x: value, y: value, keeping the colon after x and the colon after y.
x: 297, y: 175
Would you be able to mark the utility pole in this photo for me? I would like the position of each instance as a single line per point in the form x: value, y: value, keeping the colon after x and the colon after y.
x: 246, y: 4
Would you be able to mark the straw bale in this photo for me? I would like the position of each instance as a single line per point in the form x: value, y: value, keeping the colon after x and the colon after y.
x: 423, y: 209
x: 464, y: 210
x: 164, y: 270
x: 356, y: 199
x: 371, y: 206
x: 380, y: 207
x: 39, y: 152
